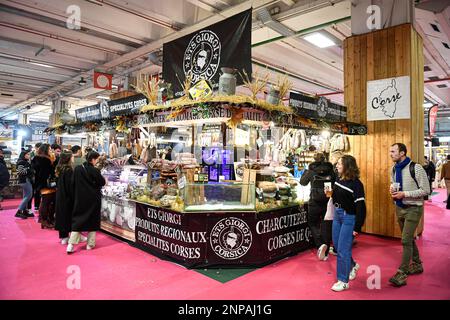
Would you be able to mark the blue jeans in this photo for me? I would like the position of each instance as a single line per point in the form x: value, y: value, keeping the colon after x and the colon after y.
x: 343, y: 225
x: 27, y: 190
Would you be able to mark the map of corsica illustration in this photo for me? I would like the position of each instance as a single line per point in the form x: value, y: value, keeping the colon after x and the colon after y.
x: 388, y: 99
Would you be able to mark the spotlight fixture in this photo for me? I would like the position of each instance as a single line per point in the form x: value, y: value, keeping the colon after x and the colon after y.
x: 82, y: 81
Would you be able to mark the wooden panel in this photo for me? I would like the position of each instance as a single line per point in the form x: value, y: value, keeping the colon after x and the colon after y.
x: 395, y: 51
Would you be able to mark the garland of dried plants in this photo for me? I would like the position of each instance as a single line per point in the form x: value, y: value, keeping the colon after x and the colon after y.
x: 148, y: 86
x: 284, y: 85
x: 186, y: 85
x: 256, y: 83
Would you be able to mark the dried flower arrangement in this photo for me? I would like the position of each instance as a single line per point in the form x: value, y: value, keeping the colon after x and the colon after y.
x: 255, y: 83
x: 284, y: 85
x: 148, y: 86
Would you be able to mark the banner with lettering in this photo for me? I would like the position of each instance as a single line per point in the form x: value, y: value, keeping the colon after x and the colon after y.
x: 432, y: 116
x: 389, y: 99
x: 110, y: 109
x: 222, y: 238
x: 171, y: 234
x: 128, y: 105
x: 201, y: 54
x: 316, y: 107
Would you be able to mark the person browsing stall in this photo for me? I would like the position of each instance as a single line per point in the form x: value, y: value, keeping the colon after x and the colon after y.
x: 319, y: 172
x: 88, y: 183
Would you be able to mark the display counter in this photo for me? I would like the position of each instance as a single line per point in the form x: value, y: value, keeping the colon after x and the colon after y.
x: 222, y: 238
x: 232, y: 224
x: 117, y: 213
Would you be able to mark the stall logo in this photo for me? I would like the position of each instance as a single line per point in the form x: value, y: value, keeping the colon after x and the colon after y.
x: 104, y: 109
x: 231, y: 238
x: 322, y: 107
x: 387, y: 100
x: 202, y: 56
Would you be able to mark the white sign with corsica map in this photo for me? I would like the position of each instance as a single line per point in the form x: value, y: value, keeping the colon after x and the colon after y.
x: 388, y: 99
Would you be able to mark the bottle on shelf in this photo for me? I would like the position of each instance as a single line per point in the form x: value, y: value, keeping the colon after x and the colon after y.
x: 196, y: 174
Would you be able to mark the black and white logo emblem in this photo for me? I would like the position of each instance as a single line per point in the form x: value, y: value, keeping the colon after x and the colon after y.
x: 104, y: 109
x: 322, y: 107
x: 231, y: 238
x: 202, y: 56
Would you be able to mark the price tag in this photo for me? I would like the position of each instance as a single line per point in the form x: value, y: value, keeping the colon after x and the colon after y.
x: 259, y: 142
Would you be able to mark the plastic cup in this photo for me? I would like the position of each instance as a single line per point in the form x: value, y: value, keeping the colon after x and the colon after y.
x: 396, y: 186
x: 328, y: 189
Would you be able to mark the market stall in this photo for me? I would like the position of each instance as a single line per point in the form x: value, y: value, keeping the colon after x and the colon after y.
x: 212, y: 183
x: 217, y: 176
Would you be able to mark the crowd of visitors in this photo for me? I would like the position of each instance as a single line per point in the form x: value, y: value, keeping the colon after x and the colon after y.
x: 66, y: 187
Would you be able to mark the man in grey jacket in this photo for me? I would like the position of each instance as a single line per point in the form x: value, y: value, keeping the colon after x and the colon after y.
x: 409, y: 187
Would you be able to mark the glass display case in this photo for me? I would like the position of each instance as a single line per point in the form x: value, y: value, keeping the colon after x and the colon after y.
x: 118, y: 214
x: 200, y: 197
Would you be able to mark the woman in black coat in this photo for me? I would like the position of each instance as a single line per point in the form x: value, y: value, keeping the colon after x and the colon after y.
x: 317, y: 174
x: 88, y: 183
x: 43, y: 168
x: 64, y: 196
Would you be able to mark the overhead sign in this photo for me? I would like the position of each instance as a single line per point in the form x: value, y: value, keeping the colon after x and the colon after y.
x: 127, y: 105
x: 316, y: 108
x: 91, y: 113
x: 189, y: 114
x: 102, y: 80
x: 203, y: 53
x: 432, y: 116
x: 109, y: 109
x: 6, y: 133
x: 389, y: 99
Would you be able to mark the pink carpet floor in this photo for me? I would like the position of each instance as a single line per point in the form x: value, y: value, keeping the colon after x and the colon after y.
x: 33, y: 265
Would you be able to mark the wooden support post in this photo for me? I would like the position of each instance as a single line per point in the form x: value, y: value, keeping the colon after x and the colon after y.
x: 386, y: 53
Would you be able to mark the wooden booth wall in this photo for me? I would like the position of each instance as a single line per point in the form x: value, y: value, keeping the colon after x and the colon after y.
x: 392, y: 52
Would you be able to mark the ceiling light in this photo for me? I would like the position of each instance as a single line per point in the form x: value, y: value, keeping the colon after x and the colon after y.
x: 427, y: 105
x: 103, y: 97
x: 82, y: 81
x: 319, y: 40
x: 41, y: 64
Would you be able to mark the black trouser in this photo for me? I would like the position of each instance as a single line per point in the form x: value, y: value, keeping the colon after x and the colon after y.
x: 29, y: 205
x: 321, y: 229
x: 431, y: 189
x: 63, y: 234
x: 37, y: 197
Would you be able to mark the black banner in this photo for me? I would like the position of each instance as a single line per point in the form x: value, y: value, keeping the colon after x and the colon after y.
x: 203, y: 53
x: 172, y: 234
x: 128, y: 105
x: 317, y: 108
x: 109, y: 109
x: 222, y: 238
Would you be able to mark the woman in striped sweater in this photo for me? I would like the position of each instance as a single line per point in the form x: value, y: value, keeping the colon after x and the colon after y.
x: 25, y: 173
x: 350, y: 213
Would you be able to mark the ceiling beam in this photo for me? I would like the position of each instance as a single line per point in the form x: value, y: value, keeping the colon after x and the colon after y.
x: 203, y: 5
x: 57, y: 37
x: 434, y: 54
x: 152, y: 19
x: 300, y: 8
x: 54, y: 18
x: 290, y: 3
x: 155, y: 45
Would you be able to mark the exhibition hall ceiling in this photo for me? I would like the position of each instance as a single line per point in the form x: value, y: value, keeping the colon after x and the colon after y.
x: 42, y: 58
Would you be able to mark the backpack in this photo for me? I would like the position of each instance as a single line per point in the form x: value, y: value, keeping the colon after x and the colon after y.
x: 412, y: 172
x: 317, y: 188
